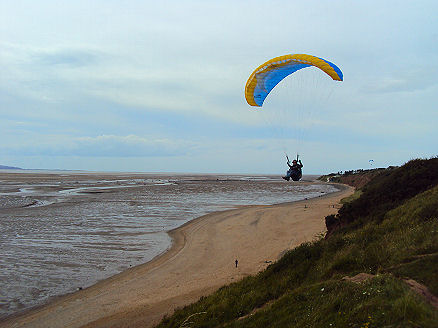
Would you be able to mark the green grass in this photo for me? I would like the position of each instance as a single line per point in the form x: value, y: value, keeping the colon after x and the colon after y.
x: 396, y: 239
x: 352, y: 197
x: 389, y: 190
x: 382, y: 301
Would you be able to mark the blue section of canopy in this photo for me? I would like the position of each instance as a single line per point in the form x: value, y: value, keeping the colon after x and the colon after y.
x: 267, y: 81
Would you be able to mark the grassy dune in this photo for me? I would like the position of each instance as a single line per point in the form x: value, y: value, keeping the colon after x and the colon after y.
x: 388, y: 231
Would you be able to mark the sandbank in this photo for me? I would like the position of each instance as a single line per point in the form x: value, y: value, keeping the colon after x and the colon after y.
x: 201, y: 259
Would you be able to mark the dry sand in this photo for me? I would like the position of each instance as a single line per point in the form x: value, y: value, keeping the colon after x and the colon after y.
x: 201, y: 259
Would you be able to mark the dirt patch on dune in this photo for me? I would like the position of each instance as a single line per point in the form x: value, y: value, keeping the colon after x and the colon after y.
x: 423, y: 291
x: 360, y: 277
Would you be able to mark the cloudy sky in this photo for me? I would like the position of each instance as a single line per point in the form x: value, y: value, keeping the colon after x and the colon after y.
x: 158, y: 86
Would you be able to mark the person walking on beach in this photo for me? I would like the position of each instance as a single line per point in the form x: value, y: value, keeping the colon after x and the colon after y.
x: 294, y: 171
x: 237, y: 262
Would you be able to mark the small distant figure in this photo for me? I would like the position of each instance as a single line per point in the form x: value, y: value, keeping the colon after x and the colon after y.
x: 237, y: 262
x: 295, y: 170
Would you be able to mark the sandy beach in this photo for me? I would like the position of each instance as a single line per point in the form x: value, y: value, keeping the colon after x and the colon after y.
x: 202, y: 258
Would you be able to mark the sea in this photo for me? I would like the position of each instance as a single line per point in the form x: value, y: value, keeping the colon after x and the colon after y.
x: 65, y: 231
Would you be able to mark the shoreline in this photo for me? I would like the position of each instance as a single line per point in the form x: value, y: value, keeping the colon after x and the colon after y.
x: 117, y: 303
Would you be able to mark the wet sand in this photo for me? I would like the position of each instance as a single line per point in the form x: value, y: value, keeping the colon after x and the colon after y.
x: 200, y: 261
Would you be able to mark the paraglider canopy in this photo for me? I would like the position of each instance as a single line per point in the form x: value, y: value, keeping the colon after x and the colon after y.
x: 268, y: 75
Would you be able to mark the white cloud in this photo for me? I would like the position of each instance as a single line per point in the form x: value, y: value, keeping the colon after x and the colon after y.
x: 406, y: 80
x: 103, y: 146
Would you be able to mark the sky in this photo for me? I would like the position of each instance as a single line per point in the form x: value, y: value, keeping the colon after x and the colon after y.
x: 158, y: 86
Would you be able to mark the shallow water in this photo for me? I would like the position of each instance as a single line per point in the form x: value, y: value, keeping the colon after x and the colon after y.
x: 61, y: 232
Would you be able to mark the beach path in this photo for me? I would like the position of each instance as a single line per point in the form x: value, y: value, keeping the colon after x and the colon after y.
x: 201, y: 260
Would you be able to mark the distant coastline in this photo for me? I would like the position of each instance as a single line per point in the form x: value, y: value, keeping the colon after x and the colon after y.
x: 4, y: 167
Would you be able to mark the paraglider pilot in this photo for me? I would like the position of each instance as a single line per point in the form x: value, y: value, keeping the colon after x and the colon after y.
x: 294, y: 171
